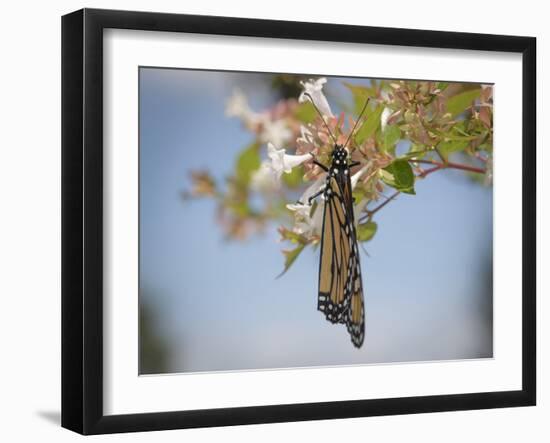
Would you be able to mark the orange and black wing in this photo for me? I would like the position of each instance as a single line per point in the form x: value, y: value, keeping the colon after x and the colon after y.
x: 355, y: 314
x: 340, y: 289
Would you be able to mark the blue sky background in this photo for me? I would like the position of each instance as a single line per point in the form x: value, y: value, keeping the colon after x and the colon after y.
x: 216, y: 305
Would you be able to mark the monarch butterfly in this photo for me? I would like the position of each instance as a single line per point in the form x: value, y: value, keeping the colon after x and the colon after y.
x: 340, y: 295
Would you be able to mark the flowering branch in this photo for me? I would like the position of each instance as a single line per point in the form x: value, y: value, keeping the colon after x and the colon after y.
x: 437, y: 120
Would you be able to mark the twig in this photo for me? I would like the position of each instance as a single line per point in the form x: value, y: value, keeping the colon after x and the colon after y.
x: 427, y: 172
x: 368, y: 214
x: 450, y: 165
x: 481, y: 157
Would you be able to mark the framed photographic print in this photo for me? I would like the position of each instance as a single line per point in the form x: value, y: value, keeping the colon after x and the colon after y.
x: 273, y: 221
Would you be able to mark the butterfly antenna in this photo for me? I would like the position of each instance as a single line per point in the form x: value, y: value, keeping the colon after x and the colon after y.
x: 357, y: 121
x: 321, y: 115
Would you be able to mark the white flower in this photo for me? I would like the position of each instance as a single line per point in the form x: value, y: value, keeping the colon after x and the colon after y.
x: 281, y: 162
x: 306, y: 135
x: 312, y: 189
x: 304, y: 223
x: 302, y: 218
x: 237, y: 106
x: 276, y: 132
x: 384, y: 118
x: 315, y: 90
x: 299, y: 209
x: 264, y: 179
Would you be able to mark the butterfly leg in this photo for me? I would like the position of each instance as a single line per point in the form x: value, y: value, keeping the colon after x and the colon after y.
x: 322, y: 189
x: 313, y: 197
x: 317, y: 194
x: 353, y: 164
x: 322, y: 166
x: 318, y: 163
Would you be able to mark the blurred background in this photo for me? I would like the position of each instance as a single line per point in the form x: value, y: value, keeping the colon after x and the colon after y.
x: 209, y: 304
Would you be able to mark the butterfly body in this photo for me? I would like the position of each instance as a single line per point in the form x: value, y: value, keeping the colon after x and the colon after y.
x: 340, y: 295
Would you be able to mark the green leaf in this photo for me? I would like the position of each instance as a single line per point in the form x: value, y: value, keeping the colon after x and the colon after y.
x: 458, y: 103
x: 390, y: 137
x: 294, y: 178
x: 305, y: 112
x: 451, y: 146
x: 290, y: 257
x: 291, y: 236
x: 363, y: 91
x: 239, y: 208
x: 360, y: 95
x: 442, y: 86
x: 412, y: 155
x: 248, y: 161
x: 369, y: 126
x: 450, y: 137
x: 358, y: 194
x: 457, y: 132
x: 399, y: 175
x: 366, y: 231
x: 415, y: 151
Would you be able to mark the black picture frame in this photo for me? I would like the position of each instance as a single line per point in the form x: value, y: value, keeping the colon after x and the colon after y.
x: 82, y: 218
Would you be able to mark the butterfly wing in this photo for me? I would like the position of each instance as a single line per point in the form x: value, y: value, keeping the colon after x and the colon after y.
x: 340, y: 289
x: 335, y: 254
x: 355, y: 315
